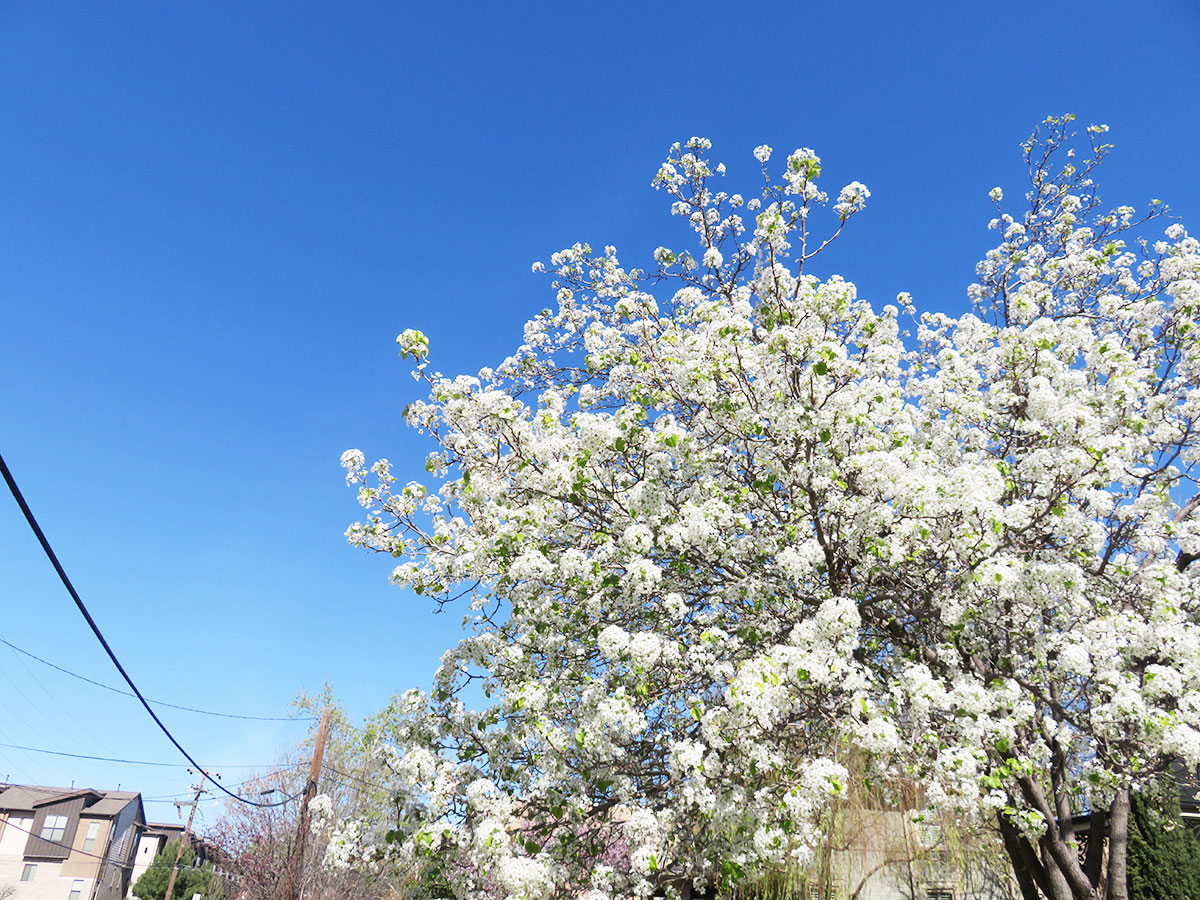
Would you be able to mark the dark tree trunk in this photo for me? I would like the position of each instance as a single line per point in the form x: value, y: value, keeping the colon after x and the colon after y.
x: 1054, y: 873
x: 1026, y: 866
x: 1118, y: 844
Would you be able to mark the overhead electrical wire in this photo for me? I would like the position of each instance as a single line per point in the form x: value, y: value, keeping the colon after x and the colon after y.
x: 356, y: 778
x: 62, y: 574
x: 53, y: 699
x: 167, y: 798
x: 117, y: 690
x: 133, y: 762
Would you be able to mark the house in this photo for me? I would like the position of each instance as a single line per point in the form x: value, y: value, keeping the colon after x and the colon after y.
x: 150, y: 843
x: 68, y: 843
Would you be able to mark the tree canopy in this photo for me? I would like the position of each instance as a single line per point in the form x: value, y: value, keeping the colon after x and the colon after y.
x: 719, y: 523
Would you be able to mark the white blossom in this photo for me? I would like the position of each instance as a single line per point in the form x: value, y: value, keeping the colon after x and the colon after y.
x: 413, y: 342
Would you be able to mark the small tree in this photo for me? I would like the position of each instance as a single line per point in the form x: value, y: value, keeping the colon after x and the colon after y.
x: 718, y: 521
x: 192, y: 879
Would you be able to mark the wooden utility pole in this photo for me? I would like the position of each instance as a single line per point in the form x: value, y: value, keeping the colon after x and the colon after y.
x: 291, y: 884
x: 187, y: 836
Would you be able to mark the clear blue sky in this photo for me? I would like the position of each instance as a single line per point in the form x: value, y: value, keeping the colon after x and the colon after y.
x: 217, y: 216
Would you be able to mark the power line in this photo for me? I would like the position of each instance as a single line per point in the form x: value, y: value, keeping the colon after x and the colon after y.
x: 355, y: 778
x: 132, y: 762
x: 62, y: 574
x: 116, y: 690
x: 167, y: 798
x: 86, y: 731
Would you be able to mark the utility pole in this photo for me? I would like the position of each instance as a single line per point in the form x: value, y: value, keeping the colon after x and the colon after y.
x: 291, y: 884
x: 187, y: 834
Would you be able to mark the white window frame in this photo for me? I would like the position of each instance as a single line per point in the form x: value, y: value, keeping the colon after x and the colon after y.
x: 76, y: 889
x: 29, y: 872
x: 89, y: 840
x: 54, y: 828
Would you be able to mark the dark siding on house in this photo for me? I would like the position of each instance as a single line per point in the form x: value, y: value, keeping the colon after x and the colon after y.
x: 113, y: 882
x: 36, y: 847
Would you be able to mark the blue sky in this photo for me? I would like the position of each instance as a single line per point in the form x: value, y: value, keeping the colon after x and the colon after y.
x: 217, y: 216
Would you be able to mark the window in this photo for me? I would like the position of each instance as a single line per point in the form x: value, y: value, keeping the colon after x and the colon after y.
x: 76, y: 889
x: 55, y: 828
x: 939, y: 894
x: 89, y: 842
x: 29, y: 871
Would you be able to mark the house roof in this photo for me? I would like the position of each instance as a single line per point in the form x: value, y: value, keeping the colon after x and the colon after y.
x: 28, y: 798
x: 108, y: 805
x: 169, y: 829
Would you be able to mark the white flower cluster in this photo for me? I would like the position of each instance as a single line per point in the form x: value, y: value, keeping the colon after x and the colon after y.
x: 852, y: 198
x: 413, y: 342
x: 320, y: 809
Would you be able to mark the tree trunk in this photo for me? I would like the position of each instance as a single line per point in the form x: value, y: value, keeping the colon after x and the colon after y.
x: 1118, y: 844
x: 1054, y: 873
x: 1057, y: 855
x: 1031, y: 875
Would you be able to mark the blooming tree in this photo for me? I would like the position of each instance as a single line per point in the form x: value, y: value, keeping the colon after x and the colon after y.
x: 720, y: 524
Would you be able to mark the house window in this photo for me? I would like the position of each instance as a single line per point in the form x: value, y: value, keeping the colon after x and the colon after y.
x: 55, y: 828
x: 76, y: 889
x: 939, y: 894
x: 89, y: 841
x: 29, y: 871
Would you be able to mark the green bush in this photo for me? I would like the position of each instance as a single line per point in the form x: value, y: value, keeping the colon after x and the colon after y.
x: 1164, y: 854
